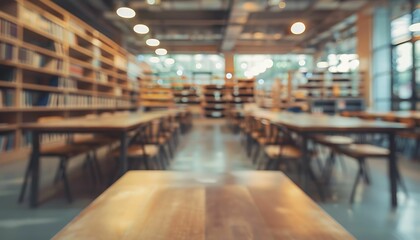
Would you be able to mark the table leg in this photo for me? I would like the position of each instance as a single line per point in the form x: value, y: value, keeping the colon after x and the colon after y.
x: 392, y: 168
x: 33, y: 198
x: 306, y: 162
x: 123, y: 154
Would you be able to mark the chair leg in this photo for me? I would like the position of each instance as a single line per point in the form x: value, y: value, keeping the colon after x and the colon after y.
x: 356, y: 182
x: 97, y: 167
x: 256, y: 153
x: 366, y: 172
x: 28, y: 172
x: 269, y: 164
x: 317, y: 183
x: 329, y: 164
x: 63, y: 164
x: 401, y: 181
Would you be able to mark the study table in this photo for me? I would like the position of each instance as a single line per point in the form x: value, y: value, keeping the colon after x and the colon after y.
x: 197, y: 206
x: 306, y: 125
x: 399, y: 115
x: 116, y: 125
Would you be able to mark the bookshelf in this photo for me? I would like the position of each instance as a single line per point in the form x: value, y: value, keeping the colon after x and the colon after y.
x: 54, y: 64
x: 242, y: 92
x: 155, y: 96
x: 216, y: 100
x: 186, y: 94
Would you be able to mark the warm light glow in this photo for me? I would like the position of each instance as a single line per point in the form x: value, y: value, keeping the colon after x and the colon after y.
x: 322, y: 65
x: 141, y: 29
x: 154, y: 60
x: 259, y: 35
x: 152, y: 42
x: 169, y: 61
x: 415, y: 27
x: 126, y: 12
x: 179, y: 72
x: 268, y: 63
x: 161, y: 51
x: 282, y: 5
x: 298, y: 28
x: 229, y: 75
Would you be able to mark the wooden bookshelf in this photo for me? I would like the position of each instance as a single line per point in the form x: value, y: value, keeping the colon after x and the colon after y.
x: 54, y: 64
x: 216, y: 99
x: 242, y: 92
x: 186, y: 94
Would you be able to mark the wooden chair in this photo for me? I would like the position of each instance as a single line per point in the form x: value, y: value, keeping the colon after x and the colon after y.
x: 409, y: 141
x: 140, y: 151
x: 332, y: 142
x: 361, y: 152
x: 63, y: 153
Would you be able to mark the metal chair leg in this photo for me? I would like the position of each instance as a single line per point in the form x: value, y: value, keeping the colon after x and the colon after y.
x: 356, y: 182
x: 28, y: 172
x: 63, y: 164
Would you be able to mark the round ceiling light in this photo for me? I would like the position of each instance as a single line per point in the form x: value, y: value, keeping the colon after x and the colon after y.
x: 126, y: 12
x: 141, y: 29
x: 152, y: 42
x: 161, y: 51
x: 298, y: 28
x: 415, y: 27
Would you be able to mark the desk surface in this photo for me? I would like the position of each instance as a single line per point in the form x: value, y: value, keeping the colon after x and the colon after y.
x: 114, y: 122
x: 181, y: 205
x: 305, y: 122
x: 415, y: 115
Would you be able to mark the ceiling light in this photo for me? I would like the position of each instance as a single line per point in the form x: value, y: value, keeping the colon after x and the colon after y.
x: 282, y: 5
x: 302, y: 62
x: 298, y: 28
x: 161, y: 51
x: 415, y: 27
x: 141, y: 29
x: 228, y: 75
x: 154, y: 59
x: 322, y: 65
x: 198, y: 65
x: 126, y: 12
x: 152, y: 42
x: 179, y: 72
x: 169, y: 61
x: 153, y: 2
x: 244, y: 65
x: 268, y: 63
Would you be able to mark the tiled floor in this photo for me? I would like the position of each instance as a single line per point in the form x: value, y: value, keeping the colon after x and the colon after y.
x: 212, y: 147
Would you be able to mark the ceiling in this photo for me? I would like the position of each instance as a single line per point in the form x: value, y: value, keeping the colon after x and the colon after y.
x: 258, y: 26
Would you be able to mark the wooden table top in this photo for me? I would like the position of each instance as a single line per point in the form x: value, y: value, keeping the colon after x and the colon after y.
x: 108, y: 123
x: 305, y: 122
x: 186, y: 205
x: 415, y: 115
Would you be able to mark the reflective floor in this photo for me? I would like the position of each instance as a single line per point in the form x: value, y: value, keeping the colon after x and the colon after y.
x: 210, y: 146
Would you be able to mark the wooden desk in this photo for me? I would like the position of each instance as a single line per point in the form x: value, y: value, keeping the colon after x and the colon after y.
x: 180, y: 205
x: 307, y: 124
x: 399, y: 115
x: 116, y: 125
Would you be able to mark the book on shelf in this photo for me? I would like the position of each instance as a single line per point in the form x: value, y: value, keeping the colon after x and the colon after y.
x: 41, y: 22
x: 6, y: 51
x: 76, y: 70
x: 8, y: 29
x: 79, y: 101
x: 35, y: 59
x: 101, y: 77
x: 7, y: 98
x: 7, y: 142
x: 42, y: 99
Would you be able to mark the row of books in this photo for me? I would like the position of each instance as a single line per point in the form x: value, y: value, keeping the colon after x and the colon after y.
x: 35, y: 59
x: 6, y: 51
x: 50, y: 45
x: 8, y: 29
x: 7, y: 142
x: 61, y: 82
x: 41, y: 22
x: 42, y: 99
x: 101, y: 77
x: 7, y: 98
x: 45, y: 138
x: 76, y: 70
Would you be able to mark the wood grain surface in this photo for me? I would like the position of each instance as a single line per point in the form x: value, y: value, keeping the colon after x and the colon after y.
x: 180, y: 205
x: 305, y: 122
x: 109, y: 123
